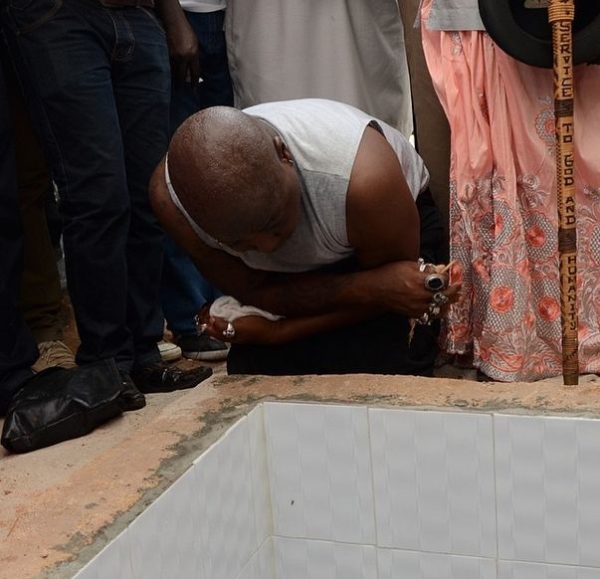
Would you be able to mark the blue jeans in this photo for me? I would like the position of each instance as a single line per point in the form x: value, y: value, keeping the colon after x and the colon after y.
x: 98, y: 85
x: 17, y: 347
x: 184, y: 289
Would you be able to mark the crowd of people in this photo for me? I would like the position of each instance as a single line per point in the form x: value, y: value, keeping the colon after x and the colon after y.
x: 299, y: 232
x: 95, y: 82
x: 291, y: 237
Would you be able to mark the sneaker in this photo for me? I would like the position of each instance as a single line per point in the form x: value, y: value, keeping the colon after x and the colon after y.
x: 163, y: 377
x: 169, y: 352
x: 131, y: 398
x: 54, y: 353
x: 202, y: 347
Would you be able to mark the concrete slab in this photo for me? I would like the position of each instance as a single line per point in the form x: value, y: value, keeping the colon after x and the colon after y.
x: 63, y: 504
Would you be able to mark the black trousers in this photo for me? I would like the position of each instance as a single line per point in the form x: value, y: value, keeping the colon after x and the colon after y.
x: 17, y: 347
x: 378, y: 346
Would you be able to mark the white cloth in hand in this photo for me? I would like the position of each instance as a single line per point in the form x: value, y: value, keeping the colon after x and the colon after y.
x: 228, y: 308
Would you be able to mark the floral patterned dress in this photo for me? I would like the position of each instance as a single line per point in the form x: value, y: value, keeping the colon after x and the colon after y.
x: 503, y: 214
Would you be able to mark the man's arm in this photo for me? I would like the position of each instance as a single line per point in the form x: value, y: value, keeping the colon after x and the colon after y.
x: 183, y: 43
x: 381, y: 216
x: 397, y: 286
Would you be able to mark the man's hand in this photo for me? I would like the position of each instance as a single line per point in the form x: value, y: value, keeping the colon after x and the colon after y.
x: 182, y: 41
x: 185, y: 53
x: 248, y: 329
x: 402, y: 289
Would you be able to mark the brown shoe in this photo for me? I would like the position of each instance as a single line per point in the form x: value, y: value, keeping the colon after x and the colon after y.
x: 54, y: 353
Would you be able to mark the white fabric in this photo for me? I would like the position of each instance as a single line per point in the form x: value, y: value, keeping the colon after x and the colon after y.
x: 203, y: 5
x: 228, y: 308
x: 348, y: 51
x: 323, y: 137
x: 199, y: 232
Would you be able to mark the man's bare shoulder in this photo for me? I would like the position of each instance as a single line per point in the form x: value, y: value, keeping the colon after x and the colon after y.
x: 382, y: 218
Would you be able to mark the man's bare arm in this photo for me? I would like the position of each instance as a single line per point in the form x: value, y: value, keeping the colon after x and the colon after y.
x: 396, y: 286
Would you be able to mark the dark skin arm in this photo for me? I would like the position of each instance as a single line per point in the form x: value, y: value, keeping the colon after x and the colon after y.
x: 183, y: 44
x: 383, y: 226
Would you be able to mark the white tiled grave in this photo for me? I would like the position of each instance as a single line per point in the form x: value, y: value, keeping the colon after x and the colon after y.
x: 316, y: 491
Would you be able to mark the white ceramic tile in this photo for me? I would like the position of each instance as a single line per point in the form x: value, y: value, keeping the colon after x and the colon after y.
x: 262, y: 564
x: 548, y: 487
x: 394, y: 564
x: 260, y: 474
x: 224, y: 492
x: 519, y: 570
x: 165, y: 538
x: 434, y: 481
x: 221, y: 438
x: 320, y: 471
x: 113, y: 561
x: 305, y: 559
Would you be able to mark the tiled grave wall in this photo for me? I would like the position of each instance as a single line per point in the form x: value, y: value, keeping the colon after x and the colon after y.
x: 307, y: 491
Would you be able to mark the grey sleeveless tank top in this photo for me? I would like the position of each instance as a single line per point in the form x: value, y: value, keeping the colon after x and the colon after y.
x: 323, y: 137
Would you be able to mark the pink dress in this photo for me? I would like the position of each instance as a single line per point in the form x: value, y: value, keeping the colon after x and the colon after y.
x: 503, y: 217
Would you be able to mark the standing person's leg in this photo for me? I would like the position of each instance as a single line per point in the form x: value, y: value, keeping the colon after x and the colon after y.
x: 17, y: 347
x: 142, y: 88
x: 41, y: 296
x: 184, y: 289
x: 432, y: 131
x: 64, y: 51
x: 141, y: 83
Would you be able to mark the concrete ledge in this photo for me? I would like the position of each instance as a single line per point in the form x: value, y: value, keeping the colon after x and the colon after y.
x: 62, y: 505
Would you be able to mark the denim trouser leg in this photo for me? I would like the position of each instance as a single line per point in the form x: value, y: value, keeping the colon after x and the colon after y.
x: 142, y: 89
x: 17, y: 347
x: 184, y: 289
x: 98, y: 79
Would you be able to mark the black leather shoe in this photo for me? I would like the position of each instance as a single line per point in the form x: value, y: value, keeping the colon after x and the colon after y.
x: 131, y: 398
x: 162, y: 377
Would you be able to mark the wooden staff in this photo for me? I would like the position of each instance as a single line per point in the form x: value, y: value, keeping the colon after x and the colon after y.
x: 560, y: 15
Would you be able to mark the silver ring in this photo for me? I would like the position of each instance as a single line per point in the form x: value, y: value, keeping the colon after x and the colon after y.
x: 200, y: 328
x: 440, y: 299
x: 424, y: 320
x: 435, y: 282
x: 229, y: 332
x: 423, y: 267
x: 434, y: 310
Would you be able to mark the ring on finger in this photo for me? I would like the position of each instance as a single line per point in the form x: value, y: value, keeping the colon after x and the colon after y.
x: 200, y: 327
x: 424, y: 320
x: 435, y: 282
x: 423, y: 267
x: 440, y: 299
x: 434, y: 310
x: 229, y: 332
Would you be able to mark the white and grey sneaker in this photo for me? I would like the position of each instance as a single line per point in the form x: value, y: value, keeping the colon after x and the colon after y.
x: 202, y: 347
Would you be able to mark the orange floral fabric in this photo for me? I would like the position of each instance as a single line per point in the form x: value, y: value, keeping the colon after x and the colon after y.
x: 503, y: 216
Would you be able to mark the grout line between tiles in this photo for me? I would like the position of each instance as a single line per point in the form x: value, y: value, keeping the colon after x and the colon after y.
x: 373, y: 485
x: 383, y: 548
x: 269, y: 538
x: 253, y: 494
x: 547, y: 564
x: 497, y: 530
x: 269, y: 468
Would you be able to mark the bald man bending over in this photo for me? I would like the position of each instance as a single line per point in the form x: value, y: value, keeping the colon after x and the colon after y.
x: 306, y: 209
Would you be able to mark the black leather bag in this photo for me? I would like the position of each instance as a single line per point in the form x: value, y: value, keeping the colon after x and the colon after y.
x: 59, y: 404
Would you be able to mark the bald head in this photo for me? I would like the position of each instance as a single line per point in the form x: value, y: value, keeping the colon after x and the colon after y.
x: 229, y: 172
